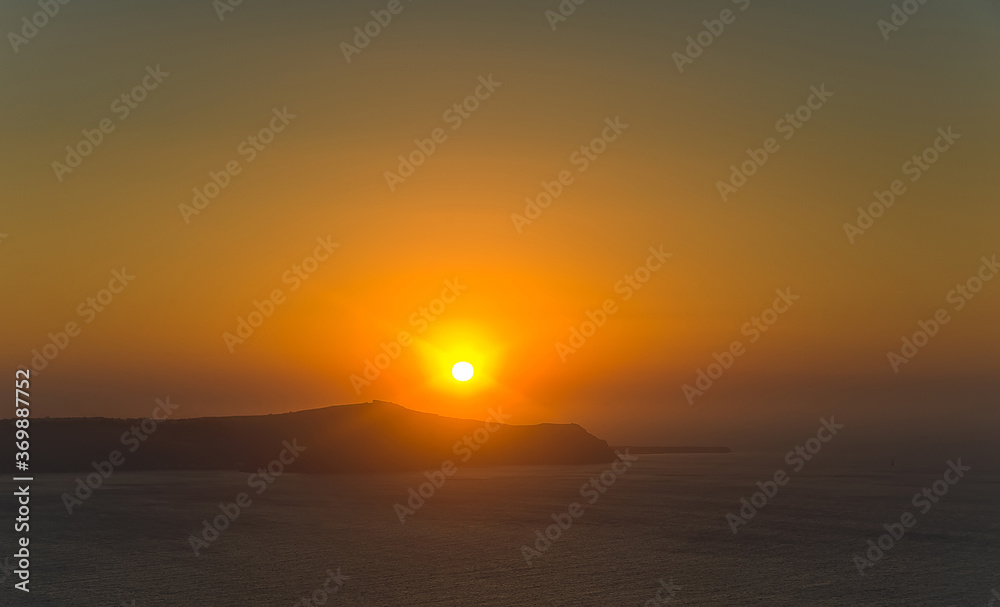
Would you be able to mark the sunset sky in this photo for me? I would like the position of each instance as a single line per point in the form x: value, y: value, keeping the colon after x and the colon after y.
x: 517, y: 289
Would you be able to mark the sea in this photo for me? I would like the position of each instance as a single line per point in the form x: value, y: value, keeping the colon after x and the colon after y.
x: 655, y: 531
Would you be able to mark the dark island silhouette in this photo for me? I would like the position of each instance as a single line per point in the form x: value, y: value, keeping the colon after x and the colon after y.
x: 367, y: 437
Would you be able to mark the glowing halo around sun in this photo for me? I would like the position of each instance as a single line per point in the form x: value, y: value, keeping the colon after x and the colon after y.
x: 462, y: 371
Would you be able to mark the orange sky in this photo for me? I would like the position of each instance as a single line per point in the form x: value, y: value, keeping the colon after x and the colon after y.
x: 596, y: 117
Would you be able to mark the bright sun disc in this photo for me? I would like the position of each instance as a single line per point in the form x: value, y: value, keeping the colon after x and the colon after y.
x: 462, y: 371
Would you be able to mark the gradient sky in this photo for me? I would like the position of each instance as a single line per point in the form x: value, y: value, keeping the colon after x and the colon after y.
x: 655, y: 185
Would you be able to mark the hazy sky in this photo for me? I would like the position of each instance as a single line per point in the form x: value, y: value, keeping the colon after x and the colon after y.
x: 667, y: 127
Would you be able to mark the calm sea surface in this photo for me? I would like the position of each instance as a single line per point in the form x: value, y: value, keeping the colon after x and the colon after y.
x: 663, y: 519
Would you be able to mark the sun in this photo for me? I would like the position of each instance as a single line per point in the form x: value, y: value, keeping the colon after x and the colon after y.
x: 462, y: 371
